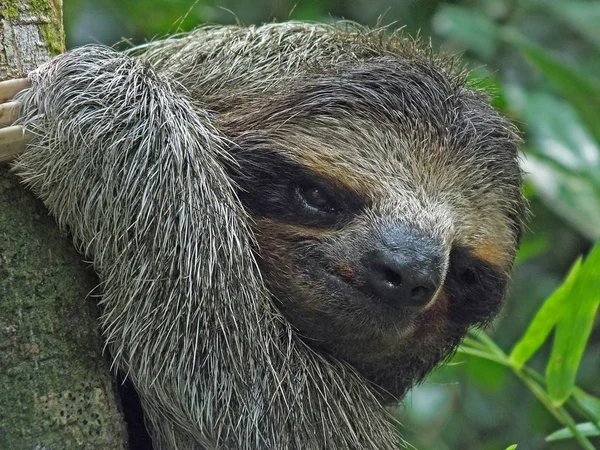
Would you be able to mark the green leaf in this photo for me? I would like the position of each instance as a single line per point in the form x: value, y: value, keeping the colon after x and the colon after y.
x: 470, y: 29
x: 586, y: 429
x: 588, y: 402
x: 487, y: 375
x: 483, y: 78
x: 581, y: 90
x: 531, y: 247
x: 544, y: 320
x: 512, y: 447
x: 310, y: 11
x: 574, y: 328
x: 563, y: 162
x: 583, y: 17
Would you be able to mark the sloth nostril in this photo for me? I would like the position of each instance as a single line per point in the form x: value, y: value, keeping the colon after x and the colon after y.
x: 420, y: 294
x: 401, y: 280
x: 392, y: 277
x: 406, y: 270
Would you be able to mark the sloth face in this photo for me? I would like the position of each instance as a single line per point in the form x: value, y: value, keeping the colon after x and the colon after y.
x: 387, y: 227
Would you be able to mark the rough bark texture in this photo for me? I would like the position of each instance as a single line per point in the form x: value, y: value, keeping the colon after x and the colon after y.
x: 30, y: 33
x: 56, y: 391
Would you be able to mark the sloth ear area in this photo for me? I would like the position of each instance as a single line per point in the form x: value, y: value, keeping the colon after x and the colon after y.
x: 13, y: 138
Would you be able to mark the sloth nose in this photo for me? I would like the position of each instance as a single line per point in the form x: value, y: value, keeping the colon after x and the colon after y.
x: 407, y: 271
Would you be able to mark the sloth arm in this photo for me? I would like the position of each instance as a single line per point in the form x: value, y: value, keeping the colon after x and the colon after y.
x: 135, y: 173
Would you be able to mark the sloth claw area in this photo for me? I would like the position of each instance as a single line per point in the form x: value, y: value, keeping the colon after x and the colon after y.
x: 12, y: 142
x: 12, y: 137
x: 9, y: 112
x: 9, y: 88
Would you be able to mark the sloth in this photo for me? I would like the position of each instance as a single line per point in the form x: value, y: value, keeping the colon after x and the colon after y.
x: 293, y: 223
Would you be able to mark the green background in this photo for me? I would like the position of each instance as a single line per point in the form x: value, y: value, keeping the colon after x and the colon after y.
x: 541, y: 59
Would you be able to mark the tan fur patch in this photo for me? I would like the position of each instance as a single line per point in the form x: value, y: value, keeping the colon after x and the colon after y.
x: 339, y: 174
x: 490, y: 253
x: 270, y: 228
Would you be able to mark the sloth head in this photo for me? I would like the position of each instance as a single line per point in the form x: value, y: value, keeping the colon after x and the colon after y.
x: 386, y: 206
x: 355, y: 175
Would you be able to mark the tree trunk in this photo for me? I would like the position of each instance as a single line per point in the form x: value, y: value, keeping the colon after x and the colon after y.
x: 56, y: 391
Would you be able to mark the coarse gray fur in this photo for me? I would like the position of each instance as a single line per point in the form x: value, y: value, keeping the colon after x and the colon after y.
x: 130, y: 153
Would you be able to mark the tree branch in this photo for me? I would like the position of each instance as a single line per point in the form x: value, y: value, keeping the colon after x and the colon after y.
x: 55, y: 386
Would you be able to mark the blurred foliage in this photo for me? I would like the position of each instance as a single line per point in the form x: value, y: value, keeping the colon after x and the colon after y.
x: 541, y: 60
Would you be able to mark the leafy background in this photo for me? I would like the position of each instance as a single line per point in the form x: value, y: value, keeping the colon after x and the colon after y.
x: 541, y: 59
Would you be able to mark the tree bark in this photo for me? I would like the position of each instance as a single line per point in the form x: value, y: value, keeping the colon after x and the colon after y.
x: 56, y: 391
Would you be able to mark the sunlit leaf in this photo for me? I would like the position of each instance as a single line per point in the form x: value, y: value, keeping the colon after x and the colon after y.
x: 483, y: 78
x: 582, y: 16
x: 512, y: 447
x: 573, y: 329
x: 544, y: 321
x: 588, y: 402
x: 582, y: 91
x: 531, y: 247
x: 472, y: 30
x: 563, y: 162
x: 585, y: 429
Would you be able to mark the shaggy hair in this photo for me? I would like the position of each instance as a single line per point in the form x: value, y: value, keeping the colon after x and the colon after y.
x: 165, y: 164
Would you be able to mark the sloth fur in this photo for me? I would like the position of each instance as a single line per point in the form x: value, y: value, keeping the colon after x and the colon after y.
x: 171, y: 165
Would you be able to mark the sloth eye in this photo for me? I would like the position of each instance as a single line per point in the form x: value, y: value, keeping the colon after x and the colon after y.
x: 269, y: 185
x: 314, y: 197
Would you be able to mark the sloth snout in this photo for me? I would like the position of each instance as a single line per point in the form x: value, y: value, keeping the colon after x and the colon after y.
x: 406, y: 271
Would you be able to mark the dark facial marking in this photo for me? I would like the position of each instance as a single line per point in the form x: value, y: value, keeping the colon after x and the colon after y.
x: 475, y: 288
x: 273, y: 186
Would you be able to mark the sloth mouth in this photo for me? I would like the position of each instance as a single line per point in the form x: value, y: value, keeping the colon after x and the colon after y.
x: 358, y: 298
x: 335, y: 304
x: 470, y: 296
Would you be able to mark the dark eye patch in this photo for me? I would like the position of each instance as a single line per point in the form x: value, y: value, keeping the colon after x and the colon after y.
x: 270, y: 185
x: 474, y: 287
